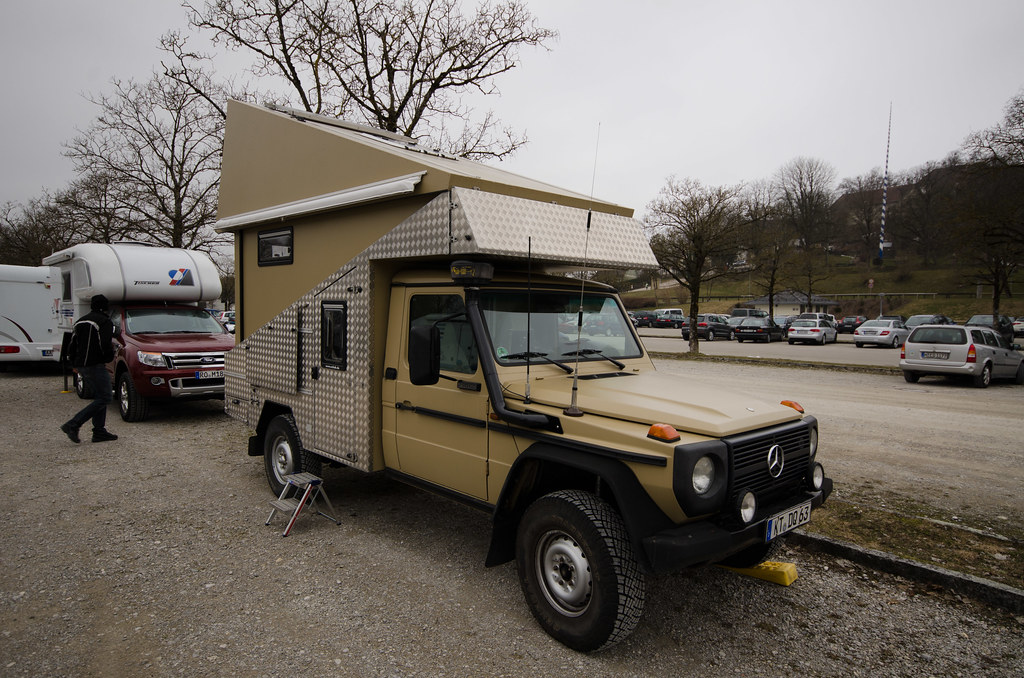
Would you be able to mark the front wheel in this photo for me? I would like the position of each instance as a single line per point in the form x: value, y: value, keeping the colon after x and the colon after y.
x: 133, y: 407
x: 577, y: 570
x: 283, y: 453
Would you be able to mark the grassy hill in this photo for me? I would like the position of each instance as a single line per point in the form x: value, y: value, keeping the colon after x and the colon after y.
x: 908, y: 290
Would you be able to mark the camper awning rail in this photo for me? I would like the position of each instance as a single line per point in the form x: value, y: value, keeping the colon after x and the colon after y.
x: 379, y: 190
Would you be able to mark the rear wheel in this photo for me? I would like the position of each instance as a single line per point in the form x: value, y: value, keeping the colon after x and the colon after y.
x: 859, y: 344
x: 985, y: 378
x: 711, y: 335
x: 133, y: 407
x: 911, y: 377
x: 82, y: 390
x: 283, y: 453
x: 577, y: 570
x: 1019, y: 379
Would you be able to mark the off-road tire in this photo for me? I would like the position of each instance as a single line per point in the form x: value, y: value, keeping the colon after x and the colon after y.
x: 577, y: 570
x: 753, y: 555
x: 131, y: 405
x: 283, y: 453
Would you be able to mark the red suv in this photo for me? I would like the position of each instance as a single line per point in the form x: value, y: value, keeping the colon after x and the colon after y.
x: 165, y: 351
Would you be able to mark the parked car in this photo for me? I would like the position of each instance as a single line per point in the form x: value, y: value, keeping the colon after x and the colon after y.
x: 892, y: 317
x: 734, y: 322
x: 819, y: 316
x: 850, y: 323
x: 1004, y: 328
x: 668, y: 317
x: 710, y: 326
x: 784, y: 321
x: 1018, y: 327
x: 748, y: 312
x: 974, y: 352
x: 811, y: 331
x: 891, y: 333
x: 644, y: 318
x: 758, y: 329
x: 928, y: 319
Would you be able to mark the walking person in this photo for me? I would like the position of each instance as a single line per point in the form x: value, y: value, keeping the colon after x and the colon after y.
x: 90, y: 349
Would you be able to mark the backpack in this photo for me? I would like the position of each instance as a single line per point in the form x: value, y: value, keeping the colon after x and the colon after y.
x: 85, y: 335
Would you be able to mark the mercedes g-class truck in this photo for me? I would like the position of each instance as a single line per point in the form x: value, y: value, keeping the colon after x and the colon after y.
x: 447, y: 349
x: 166, y: 347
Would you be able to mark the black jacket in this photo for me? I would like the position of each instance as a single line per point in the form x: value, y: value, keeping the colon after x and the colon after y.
x: 92, y: 340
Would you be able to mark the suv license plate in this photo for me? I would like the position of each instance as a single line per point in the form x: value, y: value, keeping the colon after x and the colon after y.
x: 209, y: 374
x: 781, y: 523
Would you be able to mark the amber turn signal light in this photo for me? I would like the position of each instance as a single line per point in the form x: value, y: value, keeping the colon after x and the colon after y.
x: 663, y: 432
x: 795, y: 405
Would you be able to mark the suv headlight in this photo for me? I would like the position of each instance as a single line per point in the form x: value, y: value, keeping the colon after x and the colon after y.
x: 152, y: 359
x: 703, y: 474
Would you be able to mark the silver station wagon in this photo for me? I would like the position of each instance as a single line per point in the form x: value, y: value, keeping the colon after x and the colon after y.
x: 955, y: 351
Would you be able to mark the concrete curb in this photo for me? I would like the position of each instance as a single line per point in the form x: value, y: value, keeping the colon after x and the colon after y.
x: 985, y: 590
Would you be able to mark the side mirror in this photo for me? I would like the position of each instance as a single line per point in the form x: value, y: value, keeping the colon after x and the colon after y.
x: 424, y: 355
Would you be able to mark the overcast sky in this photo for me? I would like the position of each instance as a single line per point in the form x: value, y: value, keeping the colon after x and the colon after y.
x: 723, y: 92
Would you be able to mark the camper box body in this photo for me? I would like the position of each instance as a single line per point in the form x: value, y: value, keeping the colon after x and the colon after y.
x: 432, y: 340
x: 165, y: 347
x: 131, y: 272
x: 30, y: 298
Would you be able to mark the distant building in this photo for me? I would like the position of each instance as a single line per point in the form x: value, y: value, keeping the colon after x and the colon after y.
x: 789, y: 302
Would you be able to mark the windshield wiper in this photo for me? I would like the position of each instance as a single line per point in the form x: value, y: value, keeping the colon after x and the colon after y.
x: 594, y: 351
x: 533, y: 354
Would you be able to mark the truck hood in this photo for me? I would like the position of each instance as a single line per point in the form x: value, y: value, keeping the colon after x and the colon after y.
x: 656, y: 398
x: 182, y: 343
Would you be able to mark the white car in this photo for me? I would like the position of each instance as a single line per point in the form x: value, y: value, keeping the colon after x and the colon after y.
x: 891, y: 333
x: 811, y: 332
x: 977, y: 353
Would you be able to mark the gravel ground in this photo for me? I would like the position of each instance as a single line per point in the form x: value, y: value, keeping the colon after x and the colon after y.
x: 149, y: 556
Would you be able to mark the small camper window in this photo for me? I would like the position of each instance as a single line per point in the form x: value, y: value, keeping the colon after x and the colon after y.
x: 275, y: 247
x: 333, y: 329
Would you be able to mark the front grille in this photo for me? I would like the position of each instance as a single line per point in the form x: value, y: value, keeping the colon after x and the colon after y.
x: 195, y: 361
x: 749, y: 459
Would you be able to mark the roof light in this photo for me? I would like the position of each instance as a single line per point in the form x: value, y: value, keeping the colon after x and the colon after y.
x: 792, y: 403
x: 663, y: 432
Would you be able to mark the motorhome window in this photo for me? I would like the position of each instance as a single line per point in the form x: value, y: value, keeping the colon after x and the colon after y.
x: 333, y: 333
x: 65, y: 278
x: 275, y: 247
x: 448, y: 312
x: 554, y: 322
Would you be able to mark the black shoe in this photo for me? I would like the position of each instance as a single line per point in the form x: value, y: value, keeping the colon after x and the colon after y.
x: 71, y: 431
x: 102, y: 435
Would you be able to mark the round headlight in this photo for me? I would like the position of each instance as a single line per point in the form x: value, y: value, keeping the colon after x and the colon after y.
x: 814, y: 441
x: 746, y: 509
x: 703, y: 474
x: 817, y: 476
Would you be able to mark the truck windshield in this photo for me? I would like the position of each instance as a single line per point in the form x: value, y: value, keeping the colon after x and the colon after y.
x: 171, y: 321
x: 606, y: 330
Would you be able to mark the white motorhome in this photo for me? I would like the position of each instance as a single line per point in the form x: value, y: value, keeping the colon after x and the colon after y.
x: 30, y: 298
x: 165, y: 346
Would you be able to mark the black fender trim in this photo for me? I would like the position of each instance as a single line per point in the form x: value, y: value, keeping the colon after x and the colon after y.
x: 544, y: 467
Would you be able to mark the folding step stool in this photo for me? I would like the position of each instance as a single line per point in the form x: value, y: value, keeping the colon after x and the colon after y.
x: 312, y: 489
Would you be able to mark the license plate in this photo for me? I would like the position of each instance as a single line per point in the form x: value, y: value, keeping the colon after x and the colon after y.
x: 940, y: 355
x: 209, y: 374
x: 47, y: 352
x: 782, y: 523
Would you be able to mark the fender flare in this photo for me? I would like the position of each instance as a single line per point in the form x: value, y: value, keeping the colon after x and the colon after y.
x: 546, y: 467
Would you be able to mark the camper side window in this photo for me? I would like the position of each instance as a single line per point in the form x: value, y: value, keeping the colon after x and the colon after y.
x: 334, y: 349
x: 448, y: 312
x: 274, y: 247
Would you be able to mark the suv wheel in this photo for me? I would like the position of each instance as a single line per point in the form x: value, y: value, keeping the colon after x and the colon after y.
x: 711, y: 334
x: 82, y: 390
x: 577, y: 570
x: 133, y: 407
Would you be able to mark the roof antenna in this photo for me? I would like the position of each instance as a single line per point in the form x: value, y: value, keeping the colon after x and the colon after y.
x: 573, y: 410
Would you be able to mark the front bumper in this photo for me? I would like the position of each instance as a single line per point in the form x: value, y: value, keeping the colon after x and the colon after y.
x: 702, y: 542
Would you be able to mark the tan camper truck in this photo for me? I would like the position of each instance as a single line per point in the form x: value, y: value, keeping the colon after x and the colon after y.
x: 449, y: 353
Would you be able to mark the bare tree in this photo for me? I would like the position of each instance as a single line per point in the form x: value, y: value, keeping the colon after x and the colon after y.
x: 768, y: 239
x: 805, y: 188
x: 399, y: 65
x: 159, y: 143
x: 29, y: 233
x: 98, y: 212
x: 859, y: 210
x: 1002, y: 144
x: 922, y: 214
x: 696, y: 232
